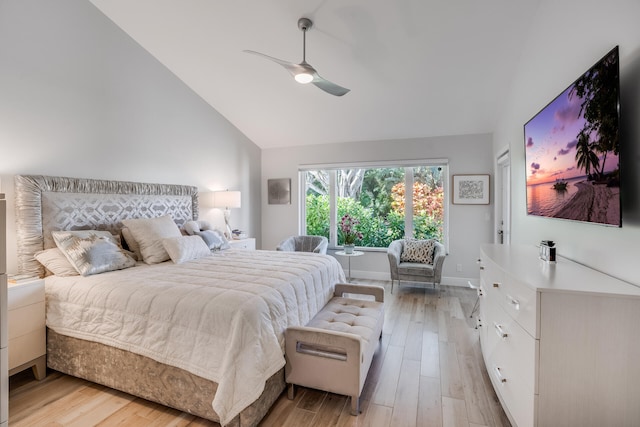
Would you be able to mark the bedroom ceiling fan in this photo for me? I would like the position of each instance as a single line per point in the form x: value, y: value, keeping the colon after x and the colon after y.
x: 303, y: 72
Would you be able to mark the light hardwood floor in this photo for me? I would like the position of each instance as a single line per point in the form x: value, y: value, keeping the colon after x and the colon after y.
x: 427, y: 371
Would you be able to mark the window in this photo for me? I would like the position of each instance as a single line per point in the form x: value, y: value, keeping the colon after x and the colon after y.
x: 376, y: 196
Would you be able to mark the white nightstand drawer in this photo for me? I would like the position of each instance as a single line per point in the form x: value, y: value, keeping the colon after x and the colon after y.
x: 26, y: 319
x: 27, y: 347
x: 248, y: 244
x: 26, y: 293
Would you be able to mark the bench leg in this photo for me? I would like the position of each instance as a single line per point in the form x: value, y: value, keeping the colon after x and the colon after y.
x: 291, y: 392
x: 355, y: 405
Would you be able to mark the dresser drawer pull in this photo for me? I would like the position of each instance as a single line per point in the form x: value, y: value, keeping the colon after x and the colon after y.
x: 496, y: 284
x: 498, y: 373
x: 501, y: 333
x: 514, y: 302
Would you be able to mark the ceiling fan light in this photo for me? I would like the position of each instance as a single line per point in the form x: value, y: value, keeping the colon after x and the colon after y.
x: 304, y: 78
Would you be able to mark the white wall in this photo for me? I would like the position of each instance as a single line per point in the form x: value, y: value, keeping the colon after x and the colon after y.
x: 470, y: 225
x: 565, y: 39
x: 79, y: 98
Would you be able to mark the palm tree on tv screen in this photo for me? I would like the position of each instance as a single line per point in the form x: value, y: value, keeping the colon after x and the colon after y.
x: 598, y: 90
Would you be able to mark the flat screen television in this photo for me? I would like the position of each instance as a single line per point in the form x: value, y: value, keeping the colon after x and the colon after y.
x: 572, y: 150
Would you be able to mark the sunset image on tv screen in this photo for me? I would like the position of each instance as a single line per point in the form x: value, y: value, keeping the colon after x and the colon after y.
x: 572, y: 150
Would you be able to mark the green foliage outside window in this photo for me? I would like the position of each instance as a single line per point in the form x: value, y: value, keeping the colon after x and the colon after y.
x: 378, y: 231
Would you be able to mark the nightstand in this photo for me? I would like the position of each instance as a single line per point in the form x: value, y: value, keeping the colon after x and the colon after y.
x: 248, y: 244
x: 26, y: 322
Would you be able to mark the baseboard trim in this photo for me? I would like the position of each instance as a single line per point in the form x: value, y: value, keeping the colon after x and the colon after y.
x: 449, y: 281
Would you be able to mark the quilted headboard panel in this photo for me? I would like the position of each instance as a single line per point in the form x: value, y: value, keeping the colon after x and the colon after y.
x: 47, y: 203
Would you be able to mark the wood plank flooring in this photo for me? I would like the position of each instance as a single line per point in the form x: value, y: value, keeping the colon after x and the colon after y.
x: 427, y: 371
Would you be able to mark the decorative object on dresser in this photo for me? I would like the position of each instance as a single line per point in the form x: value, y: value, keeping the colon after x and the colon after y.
x: 558, y: 340
x: 415, y: 260
x: 471, y: 189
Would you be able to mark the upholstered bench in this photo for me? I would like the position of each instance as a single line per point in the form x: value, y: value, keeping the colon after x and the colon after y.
x: 333, y: 352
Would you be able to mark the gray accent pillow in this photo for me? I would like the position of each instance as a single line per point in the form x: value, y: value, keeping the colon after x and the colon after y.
x: 214, y: 239
x: 91, y: 252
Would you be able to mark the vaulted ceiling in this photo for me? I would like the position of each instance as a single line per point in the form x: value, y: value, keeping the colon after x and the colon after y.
x: 415, y: 68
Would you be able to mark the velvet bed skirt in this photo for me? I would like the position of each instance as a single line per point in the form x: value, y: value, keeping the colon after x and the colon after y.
x: 151, y: 380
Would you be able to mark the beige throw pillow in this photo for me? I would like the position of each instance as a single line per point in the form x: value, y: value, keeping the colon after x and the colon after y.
x: 55, y: 262
x: 149, y: 233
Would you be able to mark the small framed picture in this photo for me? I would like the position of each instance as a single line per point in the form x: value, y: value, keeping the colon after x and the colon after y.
x: 279, y: 191
x: 471, y: 189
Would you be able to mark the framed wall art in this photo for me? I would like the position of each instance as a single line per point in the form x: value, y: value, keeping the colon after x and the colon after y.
x: 279, y: 191
x: 471, y: 189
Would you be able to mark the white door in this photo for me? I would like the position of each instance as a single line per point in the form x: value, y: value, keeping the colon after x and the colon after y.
x: 503, y: 208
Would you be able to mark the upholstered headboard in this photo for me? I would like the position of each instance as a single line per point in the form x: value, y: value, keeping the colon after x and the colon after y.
x: 48, y: 203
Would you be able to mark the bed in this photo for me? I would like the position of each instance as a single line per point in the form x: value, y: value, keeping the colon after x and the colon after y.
x: 205, y: 336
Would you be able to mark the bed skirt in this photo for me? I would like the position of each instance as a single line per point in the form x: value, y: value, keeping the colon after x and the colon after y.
x: 144, y: 377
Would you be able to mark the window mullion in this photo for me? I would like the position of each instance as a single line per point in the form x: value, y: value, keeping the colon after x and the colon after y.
x: 408, y: 203
x: 333, y: 209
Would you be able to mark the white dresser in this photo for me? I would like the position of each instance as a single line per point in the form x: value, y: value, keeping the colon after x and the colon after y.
x: 561, y: 342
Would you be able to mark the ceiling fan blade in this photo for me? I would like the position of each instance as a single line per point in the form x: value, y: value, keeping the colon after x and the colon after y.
x: 328, y: 86
x: 295, y: 69
x: 292, y: 68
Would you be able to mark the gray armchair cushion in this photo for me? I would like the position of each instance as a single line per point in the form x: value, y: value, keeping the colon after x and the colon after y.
x: 317, y: 244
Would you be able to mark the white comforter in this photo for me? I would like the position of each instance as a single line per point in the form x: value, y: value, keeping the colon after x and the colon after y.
x: 221, y: 317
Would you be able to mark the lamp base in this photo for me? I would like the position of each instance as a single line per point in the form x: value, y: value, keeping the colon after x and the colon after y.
x: 227, y: 232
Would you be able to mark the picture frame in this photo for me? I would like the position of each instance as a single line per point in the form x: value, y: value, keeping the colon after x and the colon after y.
x: 279, y: 191
x: 471, y: 189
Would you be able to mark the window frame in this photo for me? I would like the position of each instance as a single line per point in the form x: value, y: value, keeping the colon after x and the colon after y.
x: 408, y: 220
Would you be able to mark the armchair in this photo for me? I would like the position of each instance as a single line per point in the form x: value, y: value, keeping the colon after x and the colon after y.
x: 317, y: 244
x: 414, y: 271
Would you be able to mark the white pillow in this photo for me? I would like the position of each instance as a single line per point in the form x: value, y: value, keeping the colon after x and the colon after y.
x: 148, y: 234
x: 55, y: 262
x: 420, y: 251
x: 185, y: 248
x: 96, y: 253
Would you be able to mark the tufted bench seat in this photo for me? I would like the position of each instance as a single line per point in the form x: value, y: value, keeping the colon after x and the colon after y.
x: 333, y: 352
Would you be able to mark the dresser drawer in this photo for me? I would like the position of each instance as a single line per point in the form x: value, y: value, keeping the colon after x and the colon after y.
x: 510, y: 355
x: 517, y: 396
x: 517, y: 299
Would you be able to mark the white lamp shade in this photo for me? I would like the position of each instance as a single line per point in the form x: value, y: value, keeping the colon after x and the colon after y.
x: 226, y: 199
